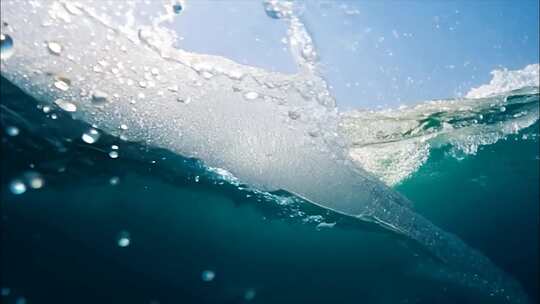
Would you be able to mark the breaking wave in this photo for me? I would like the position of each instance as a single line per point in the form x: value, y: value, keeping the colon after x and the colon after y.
x: 277, y: 136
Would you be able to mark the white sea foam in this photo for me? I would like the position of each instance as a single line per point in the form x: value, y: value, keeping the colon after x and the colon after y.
x: 508, y: 80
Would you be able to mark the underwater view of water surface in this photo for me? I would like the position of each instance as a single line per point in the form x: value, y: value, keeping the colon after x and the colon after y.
x: 269, y: 152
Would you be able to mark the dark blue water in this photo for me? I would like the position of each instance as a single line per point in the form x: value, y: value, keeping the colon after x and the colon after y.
x: 60, y: 243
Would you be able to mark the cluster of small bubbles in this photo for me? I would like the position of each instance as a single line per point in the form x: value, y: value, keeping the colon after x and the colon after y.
x: 55, y: 48
x: 251, y: 95
x: 249, y: 294
x: 66, y: 105
x: 123, y: 239
x: 114, y: 180
x: 208, y: 275
x: 17, y: 187
x: 197, y: 178
x: 113, y: 154
x: 12, y: 131
x: 177, y: 7
x: 99, y: 97
x: 91, y: 136
x: 6, y: 46
x: 62, y: 83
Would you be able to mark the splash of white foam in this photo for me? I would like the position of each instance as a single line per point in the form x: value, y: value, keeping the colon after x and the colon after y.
x: 508, y: 80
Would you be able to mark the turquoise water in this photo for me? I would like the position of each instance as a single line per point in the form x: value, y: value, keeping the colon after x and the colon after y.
x: 153, y: 227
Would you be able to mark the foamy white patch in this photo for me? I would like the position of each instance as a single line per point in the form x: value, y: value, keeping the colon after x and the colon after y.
x: 507, y: 80
x: 393, y: 143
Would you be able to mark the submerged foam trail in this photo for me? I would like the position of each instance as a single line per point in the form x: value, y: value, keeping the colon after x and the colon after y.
x: 270, y: 130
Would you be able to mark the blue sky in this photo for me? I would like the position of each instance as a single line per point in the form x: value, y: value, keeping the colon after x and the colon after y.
x: 377, y: 53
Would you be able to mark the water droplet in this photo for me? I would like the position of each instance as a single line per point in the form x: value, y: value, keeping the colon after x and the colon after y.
x: 113, y: 154
x: 250, y: 294
x: 123, y: 239
x: 251, y: 95
x: 6, y: 46
x: 17, y: 187
x: 99, y: 97
x: 66, y: 105
x: 12, y: 131
x: 34, y: 180
x: 62, y: 83
x: 54, y: 47
x: 208, y: 275
x: 114, y: 180
x: 177, y: 8
x: 91, y: 136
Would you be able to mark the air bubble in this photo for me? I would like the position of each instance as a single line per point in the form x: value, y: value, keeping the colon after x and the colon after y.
x: 293, y: 115
x: 251, y: 95
x: 66, y: 105
x: 208, y: 275
x: 34, y: 180
x: 17, y: 187
x: 177, y: 8
x: 6, y: 46
x: 99, y: 97
x: 123, y: 127
x: 184, y: 100
x: 12, y: 131
x: 113, y: 154
x: 123, y: 239
x: 55, y: 48
x: 250, y: 294
x: 114, y: 180
x: 62, y: 83
x: 91, y: 136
